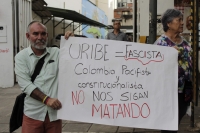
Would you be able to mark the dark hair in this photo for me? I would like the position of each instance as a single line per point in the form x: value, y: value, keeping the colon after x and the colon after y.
x: 168, y: 17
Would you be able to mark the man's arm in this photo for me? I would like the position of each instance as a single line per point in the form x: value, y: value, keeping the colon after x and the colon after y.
x: 24, y: 81
x: 38, y: 95
x: 52, y: 102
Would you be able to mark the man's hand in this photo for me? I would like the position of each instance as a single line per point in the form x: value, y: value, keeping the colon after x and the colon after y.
x: 54, y: 103
x: 68, y: 34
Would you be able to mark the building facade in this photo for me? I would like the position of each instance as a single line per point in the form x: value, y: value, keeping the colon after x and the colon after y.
x: 124, y: 11
x: 13, y: 28
x: 6, y: 45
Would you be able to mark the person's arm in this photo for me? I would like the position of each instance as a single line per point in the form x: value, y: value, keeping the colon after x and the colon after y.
x: 68, y: 34
x: 24, y: 80
x: 40, y: 96
x: 23, y: 75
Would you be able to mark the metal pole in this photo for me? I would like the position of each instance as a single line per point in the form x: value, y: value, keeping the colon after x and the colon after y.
x: 194, y: 43
x: 59, y: 23
x: 73, y: 26
x: 47, y: 21
x: 153, y: 21
x: 78, y: 26
x: 68, y: 25
x: 14, y: 26
x: 53, y: 27
x: 135, y: 12
x: 17, y: 26
x: 64, y: 27
x: 197, y: 51
x: 198, y: 48
x: 83, y: 28
x: 133, y: 19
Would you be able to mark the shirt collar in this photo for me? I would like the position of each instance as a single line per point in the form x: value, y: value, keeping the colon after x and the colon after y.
x: 119, y: 31
x: 30, y: 51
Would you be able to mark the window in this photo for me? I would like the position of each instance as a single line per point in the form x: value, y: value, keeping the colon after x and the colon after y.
x: 121, y: 3
x: 129, y: 1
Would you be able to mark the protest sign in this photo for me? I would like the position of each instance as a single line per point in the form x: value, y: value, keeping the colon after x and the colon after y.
x: 118, y: 83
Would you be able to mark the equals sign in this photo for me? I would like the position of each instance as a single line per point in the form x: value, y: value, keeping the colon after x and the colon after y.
x: 119, y: 53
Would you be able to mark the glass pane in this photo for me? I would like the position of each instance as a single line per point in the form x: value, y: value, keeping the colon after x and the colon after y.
x: 123, y: 4
x: 118, y: 4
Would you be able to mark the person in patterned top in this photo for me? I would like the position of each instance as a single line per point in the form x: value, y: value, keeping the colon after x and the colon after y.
x: 172, y: 21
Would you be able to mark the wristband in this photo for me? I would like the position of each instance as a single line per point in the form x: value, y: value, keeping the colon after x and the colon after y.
x: 47, y: 99
x: 44, y: 99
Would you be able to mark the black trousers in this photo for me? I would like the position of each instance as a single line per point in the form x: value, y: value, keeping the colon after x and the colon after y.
x: 182, y: 108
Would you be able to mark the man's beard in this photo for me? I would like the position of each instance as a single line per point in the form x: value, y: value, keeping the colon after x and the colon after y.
x: 40, y: 47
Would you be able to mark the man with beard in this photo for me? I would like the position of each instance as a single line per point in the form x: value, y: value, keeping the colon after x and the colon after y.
x: 41, y: 103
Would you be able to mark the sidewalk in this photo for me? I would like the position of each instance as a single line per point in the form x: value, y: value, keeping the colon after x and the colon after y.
x: 8, y: 95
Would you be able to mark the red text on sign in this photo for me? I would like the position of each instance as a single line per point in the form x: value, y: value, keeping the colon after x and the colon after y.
x: 131, y: 110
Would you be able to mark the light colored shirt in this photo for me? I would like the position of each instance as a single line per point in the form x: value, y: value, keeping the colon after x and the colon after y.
x: 120, y: 36
x: 46, y: 81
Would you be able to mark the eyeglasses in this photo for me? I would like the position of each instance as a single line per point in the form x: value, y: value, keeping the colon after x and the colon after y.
x: 116, y: 23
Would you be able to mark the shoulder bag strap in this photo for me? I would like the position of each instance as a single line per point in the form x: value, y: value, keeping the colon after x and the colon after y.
x: 38, y: 68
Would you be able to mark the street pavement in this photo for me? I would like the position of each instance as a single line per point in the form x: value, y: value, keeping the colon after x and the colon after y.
x: 7, y: 99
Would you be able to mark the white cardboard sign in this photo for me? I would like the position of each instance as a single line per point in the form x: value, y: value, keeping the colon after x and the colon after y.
x: 118, y: 83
